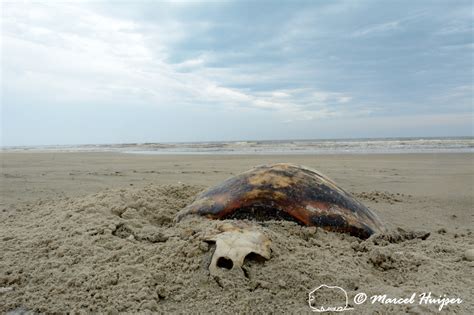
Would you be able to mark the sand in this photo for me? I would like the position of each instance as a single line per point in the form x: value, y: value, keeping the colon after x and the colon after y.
x: 94, y: 232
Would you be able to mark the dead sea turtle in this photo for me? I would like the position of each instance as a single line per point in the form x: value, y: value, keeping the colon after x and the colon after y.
x: 286, y: 192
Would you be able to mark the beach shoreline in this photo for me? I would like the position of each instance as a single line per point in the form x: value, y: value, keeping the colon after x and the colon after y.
x: 61, y: 214
x: 274, y: 147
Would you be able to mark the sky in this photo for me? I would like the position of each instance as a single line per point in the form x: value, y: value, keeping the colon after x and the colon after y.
x: 91, y: 72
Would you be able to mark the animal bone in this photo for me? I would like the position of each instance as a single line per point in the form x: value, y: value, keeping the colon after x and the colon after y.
x: 234, y: 244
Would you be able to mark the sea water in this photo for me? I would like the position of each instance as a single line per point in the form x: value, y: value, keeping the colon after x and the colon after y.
x: 325, y: 146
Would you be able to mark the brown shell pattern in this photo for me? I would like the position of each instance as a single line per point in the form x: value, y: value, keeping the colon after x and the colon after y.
x: 286, y: 192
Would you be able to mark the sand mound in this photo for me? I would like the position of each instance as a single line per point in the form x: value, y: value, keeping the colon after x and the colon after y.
x: 119, y: 250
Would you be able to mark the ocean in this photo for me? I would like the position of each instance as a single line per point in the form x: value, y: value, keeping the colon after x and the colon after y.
x: 329, y: 146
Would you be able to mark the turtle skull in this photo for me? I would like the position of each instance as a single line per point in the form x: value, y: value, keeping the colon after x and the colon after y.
x: 233, y: 245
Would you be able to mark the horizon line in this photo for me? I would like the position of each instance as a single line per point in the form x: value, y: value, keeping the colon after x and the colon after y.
x: 235, y: 141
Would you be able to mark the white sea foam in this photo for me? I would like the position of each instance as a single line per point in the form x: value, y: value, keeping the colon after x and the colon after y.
x: 358, y: 146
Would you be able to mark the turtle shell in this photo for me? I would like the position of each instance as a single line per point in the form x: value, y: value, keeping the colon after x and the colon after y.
x: 286, y: 192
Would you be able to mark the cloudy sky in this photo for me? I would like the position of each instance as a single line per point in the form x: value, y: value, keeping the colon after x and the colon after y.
x: 146, y: 71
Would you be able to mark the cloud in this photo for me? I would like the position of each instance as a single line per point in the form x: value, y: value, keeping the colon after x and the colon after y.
x: 291, y: 63
x: 104, y: 60
x: 377, y: 29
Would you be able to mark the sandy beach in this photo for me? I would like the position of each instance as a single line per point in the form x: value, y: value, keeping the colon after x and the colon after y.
x: 94, y: 232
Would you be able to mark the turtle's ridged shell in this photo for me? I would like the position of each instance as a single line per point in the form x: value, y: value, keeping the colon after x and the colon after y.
x: 290, y: 192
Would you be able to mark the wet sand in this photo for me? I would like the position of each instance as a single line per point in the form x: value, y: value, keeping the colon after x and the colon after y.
x: 95, y: 232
